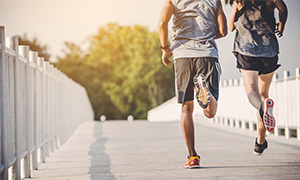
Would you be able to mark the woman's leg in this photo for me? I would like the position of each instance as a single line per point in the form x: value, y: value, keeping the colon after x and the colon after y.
x: 264, y: 83
x: 250, y: 79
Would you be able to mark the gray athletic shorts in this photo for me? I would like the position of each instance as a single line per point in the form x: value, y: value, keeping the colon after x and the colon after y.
x: 185, y: 71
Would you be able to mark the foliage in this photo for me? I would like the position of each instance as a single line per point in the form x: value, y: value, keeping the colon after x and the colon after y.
x: 122, y: 71
x: 35, y: 45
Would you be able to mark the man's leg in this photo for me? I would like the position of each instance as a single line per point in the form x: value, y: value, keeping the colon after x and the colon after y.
x: 211, y: 109
x: 210, y: 70
x: 264, y: 86
x: 187, y: 126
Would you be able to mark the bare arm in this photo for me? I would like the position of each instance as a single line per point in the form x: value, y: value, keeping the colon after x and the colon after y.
x: 165, y: 16
x: 232, y: 16
x: 221, y: 21
x: 283, y: 13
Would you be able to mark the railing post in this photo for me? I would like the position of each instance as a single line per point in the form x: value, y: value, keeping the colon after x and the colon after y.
x: 46, y: 105
x: 17, y: 166
x: 42, y: 110
x: 297, y: 78
x: 276, y: 130
x: 236, y: 119
x: 56, y: 112
x: 243, y: 121
x: 24, y: 51
x: 3, y: 105
x: 33, y: 59
x: 287, y: 129
x: 52, y: 123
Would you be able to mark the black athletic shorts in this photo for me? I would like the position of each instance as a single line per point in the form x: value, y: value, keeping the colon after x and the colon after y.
x: 264, y: 65
x: 185, y: 71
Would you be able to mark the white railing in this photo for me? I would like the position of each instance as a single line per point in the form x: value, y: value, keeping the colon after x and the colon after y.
x: 39, y: 110
x: 234, y: 109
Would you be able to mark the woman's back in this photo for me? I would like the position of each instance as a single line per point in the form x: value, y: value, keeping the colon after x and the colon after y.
x: 255, y: 25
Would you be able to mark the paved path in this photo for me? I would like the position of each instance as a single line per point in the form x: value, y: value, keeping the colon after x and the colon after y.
x: 141, y: 150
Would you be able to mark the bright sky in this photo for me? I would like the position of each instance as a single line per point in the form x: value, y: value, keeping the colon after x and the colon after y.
x: 55, y: 21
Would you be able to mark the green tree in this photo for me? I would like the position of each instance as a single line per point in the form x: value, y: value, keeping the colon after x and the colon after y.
x: 122, y: 71
x: 35, y: 45
x: 75, y: 66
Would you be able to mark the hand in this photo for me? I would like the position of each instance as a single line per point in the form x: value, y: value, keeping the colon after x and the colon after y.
x: 164, y: 56
x: 279, y: 29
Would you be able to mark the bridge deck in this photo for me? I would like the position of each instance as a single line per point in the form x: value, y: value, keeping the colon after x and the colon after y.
x: 120, y: 150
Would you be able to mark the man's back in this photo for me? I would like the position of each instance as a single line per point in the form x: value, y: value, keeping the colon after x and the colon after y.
x: 195, y: 28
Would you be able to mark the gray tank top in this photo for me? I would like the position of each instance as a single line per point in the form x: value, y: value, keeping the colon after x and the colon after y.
x: 255, y: 31
x: 194, y: 26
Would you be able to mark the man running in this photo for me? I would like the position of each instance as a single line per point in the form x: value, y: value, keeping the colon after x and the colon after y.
x: 196, y: 26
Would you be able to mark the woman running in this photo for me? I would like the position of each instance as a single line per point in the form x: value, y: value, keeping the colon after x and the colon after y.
x: 256, y: 50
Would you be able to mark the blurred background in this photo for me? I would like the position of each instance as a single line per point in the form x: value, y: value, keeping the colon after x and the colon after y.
x: 111, y: 48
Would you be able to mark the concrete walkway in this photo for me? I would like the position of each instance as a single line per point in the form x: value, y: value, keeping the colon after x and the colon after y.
x: 119, y: 150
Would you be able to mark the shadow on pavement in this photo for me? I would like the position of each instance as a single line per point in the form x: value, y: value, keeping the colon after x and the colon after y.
x: 100, y: 161
x: 251, y: 166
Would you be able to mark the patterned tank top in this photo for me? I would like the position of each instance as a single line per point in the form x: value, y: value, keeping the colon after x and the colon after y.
x: 255, y: 31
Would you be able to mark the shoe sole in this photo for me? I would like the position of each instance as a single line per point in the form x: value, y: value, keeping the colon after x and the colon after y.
x: 192, y: 167
x: 202, y: 92
x: 269, y: 120
x: 257, y: 154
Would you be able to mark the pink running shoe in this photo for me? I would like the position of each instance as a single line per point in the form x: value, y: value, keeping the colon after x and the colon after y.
x: 268, y: 118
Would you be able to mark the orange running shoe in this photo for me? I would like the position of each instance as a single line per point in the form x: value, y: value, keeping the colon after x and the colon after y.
x: 193, y: 162
x: 202, y: 91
